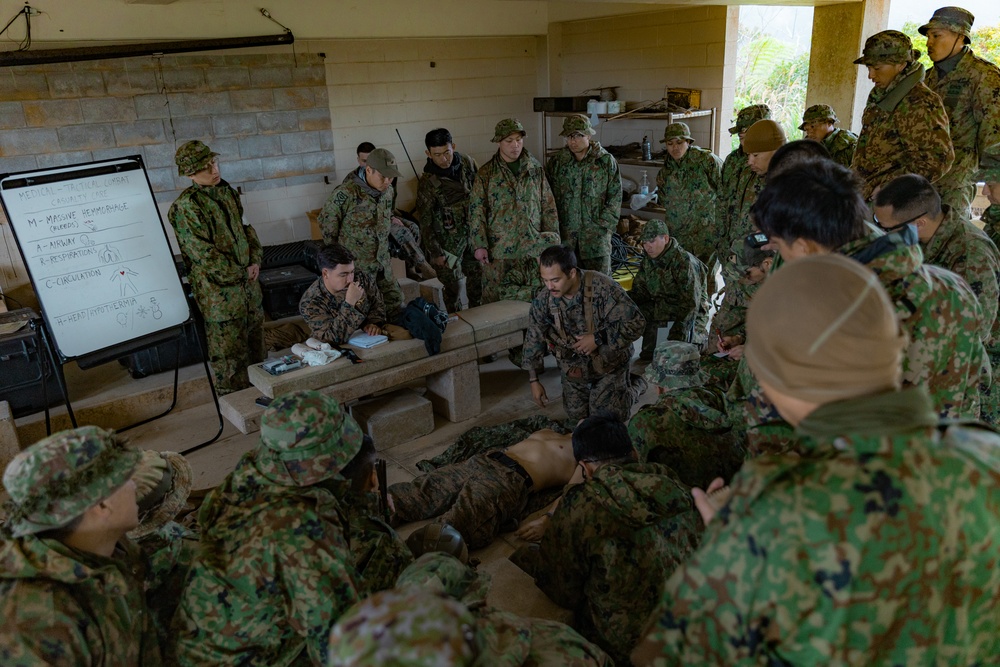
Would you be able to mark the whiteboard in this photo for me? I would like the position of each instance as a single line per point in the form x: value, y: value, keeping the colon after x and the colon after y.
x: 96, y: 252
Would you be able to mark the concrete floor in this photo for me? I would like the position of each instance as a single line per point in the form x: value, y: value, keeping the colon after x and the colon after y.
x: 107, y: 396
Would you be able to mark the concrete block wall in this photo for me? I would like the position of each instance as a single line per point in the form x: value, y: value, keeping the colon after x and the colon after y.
x: 377, y: 86
x: 644, y: 54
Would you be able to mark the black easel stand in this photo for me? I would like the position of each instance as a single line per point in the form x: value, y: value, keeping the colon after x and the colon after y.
x: 89, y: 361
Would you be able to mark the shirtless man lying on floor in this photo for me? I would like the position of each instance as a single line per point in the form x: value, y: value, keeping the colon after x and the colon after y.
x: 482, y: 494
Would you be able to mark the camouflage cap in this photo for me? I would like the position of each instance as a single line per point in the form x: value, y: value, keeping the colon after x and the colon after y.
x: 676, y: 365
x: 955, y: 19
x: 989, y: 169
x: 507, y: 127
x: 441, y: 573
x: 384, y: 163
x: 406, y: 628
x: 62, y: 476
x: 676, y: 131
x: 577, y: 123
x: 887, y: 47
x: 652, y: 229
x: 750, y: 115
x: 305, y: 438
x: 163, y: 484
x: 192, y: 157
x: 818, y: 112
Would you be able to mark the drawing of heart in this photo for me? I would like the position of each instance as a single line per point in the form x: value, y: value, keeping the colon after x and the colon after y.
x: 122, y: 272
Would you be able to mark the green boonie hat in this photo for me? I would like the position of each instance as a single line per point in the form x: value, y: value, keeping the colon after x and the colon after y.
x: 405, y: 628
x: 163, y: 484
x: 818, y: 112
x: 578, y: 123
x: 956, y: 19
x: 62, y: 476
x: 676, y: 365
x: 507, y: 127
x: 652, y: 229
x: 750, y: 115
x: 384, y: 163
x: 305, y: 438
x: 192, y: 157
x: 887, y: 47
x: 676, y: 131
x: 439, y: 572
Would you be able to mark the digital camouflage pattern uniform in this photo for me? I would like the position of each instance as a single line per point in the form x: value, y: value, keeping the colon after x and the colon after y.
x: 969, y: 87
x: 477, y: 496
x: 688, y: 427
x: 64, y: 606
x: 510, y: 206
x: 218, y: 248
x: 904, y: 128
x: 668, y: 288
x: 736, y: 180
x: 688, y: 190
x: 588, y: 196
x: 332, y: 320
x: 822, y: 556
x: 275, y: 569
x: 380, y: 554
x: 358, y: 217
x: 438, y: 617
x: 839, y: 143
x: 598, y: 381
x: 443, y: 209
x: 961, y: 247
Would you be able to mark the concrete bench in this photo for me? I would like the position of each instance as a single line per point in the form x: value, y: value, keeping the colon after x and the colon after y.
x: 452, y: 376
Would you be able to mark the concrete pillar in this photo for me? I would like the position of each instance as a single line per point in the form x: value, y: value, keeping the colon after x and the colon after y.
x: 838, y: 35
x: 726, y: 115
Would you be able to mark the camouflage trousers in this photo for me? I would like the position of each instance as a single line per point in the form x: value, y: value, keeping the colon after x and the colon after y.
x: 682, y: 331
x: 451, y: 274
x: 611, y: 391
x: 515, y: 279
x: 600, y: 263
x: 232, y: 346
x: 392, y: 295
x: 477, y: 497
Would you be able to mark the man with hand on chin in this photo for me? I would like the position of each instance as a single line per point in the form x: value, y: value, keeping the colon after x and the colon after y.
x: 342, y: 300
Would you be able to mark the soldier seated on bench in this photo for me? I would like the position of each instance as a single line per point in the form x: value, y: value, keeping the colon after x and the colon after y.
x: 342, y: 300
x: 484, y: 493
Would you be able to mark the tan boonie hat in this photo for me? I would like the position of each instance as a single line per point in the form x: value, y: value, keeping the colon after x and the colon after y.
x: 192, y: 157
x: 818, y: 112
x: 384, y: 163
x: 676, y: 365
x: 162, y: 486
x: 578, y: 123
x: 60, y: 477
x: 750, y: 115
x: 653, y: 229
x: 305, y: 438
x: 507, y: 127
x: 955, y: 19
x: 887, y: 47
x: 763, y: 136
x: 676, y: 131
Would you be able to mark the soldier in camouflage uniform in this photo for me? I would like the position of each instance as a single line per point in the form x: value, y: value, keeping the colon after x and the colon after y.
x: 71, y: 583
x: 614, y: 539
x: 736, y: 177
x: 688, y: 427
x: 342, y: 300
x: 935, y: 307
x: 510, y: 206
x: 587, y: 185
x: 969, y: 87
x: 275, y: 569
x: 670, y: 287
x: 438, y: 617
x: 950, y: 240
x: 824, y: 555
x: 589, y: 323
x: 819, y: 123
x: 358, y: 216
x: 443, y: 209
x: 688, y: 186
x: 904, y: 128
x: 222, y: 255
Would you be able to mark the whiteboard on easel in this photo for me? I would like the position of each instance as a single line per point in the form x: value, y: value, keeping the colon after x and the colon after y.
x: 97, y: 253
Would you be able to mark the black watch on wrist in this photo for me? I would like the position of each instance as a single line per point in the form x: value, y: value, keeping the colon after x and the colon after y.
x: 599, y: 338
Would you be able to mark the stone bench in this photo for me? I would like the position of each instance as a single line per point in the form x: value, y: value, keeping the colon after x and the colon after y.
x: 452, y: 376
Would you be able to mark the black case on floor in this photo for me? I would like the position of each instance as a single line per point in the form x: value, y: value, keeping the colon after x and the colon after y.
x: 23, y: 364
x: 284, y: 254
x: 283, y: 288
x: 163, y: 356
